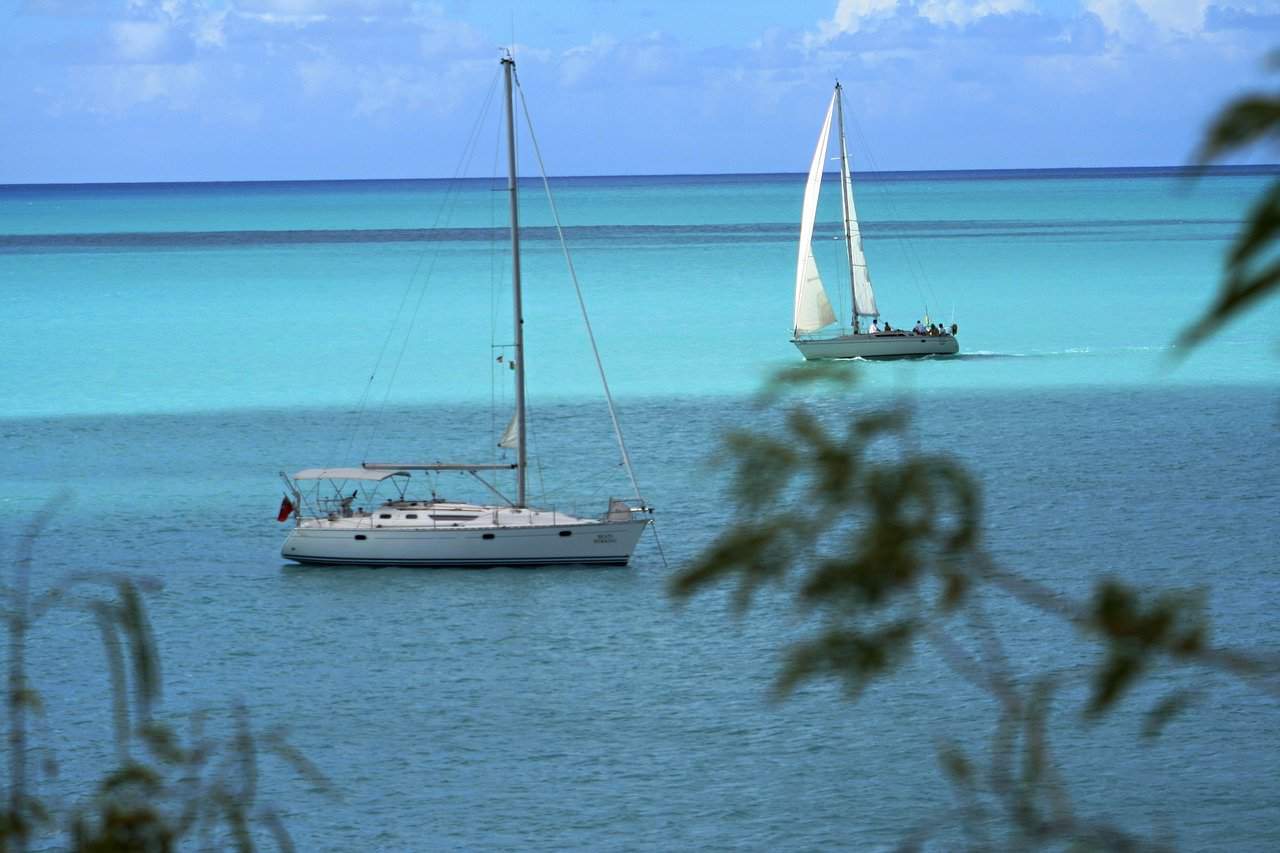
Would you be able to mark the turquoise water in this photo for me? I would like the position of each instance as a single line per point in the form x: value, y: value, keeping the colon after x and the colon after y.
x: 169, y: 348
x: 179, y: 297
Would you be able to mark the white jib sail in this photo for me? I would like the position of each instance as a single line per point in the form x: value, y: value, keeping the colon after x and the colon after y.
x: 864, y: 298
x: 510, y: 435
x: 812, y: 308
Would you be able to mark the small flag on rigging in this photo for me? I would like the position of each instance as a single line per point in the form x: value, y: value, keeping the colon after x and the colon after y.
x: 286, y: 509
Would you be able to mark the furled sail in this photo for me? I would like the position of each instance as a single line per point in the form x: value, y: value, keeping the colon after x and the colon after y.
x: 812, y: 308
x: 864, y: 298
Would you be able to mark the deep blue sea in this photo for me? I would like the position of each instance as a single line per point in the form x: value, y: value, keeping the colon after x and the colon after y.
x: 168, y: 349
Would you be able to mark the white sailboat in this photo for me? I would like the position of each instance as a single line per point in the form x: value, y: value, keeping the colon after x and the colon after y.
x: 431, y: 532
x: 813, y: 315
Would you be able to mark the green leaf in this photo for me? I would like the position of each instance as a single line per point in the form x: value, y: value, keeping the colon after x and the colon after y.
x: 1262, y: 228
x: 856, y: 657
x: 1236, y: 294
x: 955, y: 764
x: 1243, y: 122
x: 1165, y: 710
x: 1249, y: 120
x: 834, y: 375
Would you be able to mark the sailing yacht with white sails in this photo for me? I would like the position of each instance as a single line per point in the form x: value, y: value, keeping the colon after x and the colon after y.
x: 432, y: 532
x: 812, y: 313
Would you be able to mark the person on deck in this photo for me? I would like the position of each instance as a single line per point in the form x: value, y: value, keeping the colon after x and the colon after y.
x: 873, y: 329
x: 919, y: 327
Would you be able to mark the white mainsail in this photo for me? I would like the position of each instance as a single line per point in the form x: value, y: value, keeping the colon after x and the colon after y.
x: 812, y: 307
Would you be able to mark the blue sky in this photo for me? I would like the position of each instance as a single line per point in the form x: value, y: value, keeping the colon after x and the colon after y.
x: 143, y: 90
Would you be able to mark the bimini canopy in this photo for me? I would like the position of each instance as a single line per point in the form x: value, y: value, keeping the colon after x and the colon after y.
x: 347, y: 474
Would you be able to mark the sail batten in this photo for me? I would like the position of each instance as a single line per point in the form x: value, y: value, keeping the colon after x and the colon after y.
x: 812, y: 307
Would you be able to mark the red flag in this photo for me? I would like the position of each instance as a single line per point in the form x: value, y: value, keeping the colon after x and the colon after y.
x: 286, y: 509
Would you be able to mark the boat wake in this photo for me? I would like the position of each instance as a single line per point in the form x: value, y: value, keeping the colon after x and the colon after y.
x: 993, y: 355
x: 977, y: 355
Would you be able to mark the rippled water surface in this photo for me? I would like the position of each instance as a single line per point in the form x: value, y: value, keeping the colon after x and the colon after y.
x: 170, y: 349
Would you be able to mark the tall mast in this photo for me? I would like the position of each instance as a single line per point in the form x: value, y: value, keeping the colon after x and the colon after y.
x: 508, y: 68
x: 845, y: 194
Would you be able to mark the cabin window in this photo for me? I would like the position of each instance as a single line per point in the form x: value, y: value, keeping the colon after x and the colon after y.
x: 410, y: 515
x: 385, y: 515
x: 361, y: 536
x: 487, y: 536
x: 566, y: 532
x: 442, y: 517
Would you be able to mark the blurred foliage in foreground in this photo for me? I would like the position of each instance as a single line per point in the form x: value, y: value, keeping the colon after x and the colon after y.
x: 1252, y: 265
x: 881, y: 547
x: 165, y: 790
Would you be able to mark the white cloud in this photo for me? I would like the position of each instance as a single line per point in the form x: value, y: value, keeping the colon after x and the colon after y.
x: 210, y: 30
x: 1137, y: 20
x: 319, y: 76
x: 117, y: 89
x: 851, y: 16
x: 442, y: 36
x: 963, y: 12
x: 317, y: 11
x: 577, y: 63
x: 162, y: 31
x: 653, y: 57
x: 139, y: 41
x: 372, y: 88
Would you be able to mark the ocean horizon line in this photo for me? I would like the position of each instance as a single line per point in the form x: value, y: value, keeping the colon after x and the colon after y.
x: 1066, y: 172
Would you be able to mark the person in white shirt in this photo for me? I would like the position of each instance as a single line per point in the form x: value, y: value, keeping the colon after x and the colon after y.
x: 873, y: 329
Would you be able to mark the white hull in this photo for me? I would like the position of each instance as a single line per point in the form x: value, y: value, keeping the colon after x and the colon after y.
x: 876, y: 346
x: 601, y: 543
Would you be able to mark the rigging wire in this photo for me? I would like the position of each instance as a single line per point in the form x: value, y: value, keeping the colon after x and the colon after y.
x: 657, y: 540
x: 409, y: 287
x: 446, y: 206
x: 582, y: 305
x: 914, y: 266
x: 537, y: 456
